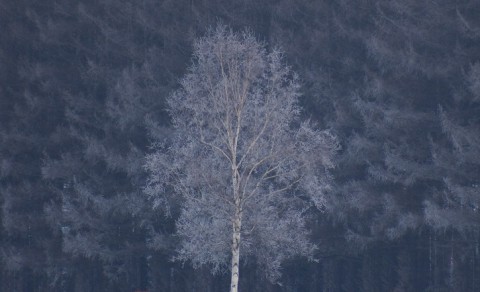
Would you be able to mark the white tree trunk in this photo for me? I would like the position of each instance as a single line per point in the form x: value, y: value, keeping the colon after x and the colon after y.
x: 237, y: 224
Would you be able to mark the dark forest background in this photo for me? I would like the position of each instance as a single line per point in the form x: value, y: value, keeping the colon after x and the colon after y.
x: 82, y: 92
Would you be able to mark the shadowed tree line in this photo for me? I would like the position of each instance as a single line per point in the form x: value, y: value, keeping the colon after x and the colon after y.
x: 83, y: 96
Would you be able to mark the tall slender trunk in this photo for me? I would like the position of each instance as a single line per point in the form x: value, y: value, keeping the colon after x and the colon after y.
x: 237, y: 225
x: 237, y: 220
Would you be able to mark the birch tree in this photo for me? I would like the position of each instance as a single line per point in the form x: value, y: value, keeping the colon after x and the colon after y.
x: 246, y: 168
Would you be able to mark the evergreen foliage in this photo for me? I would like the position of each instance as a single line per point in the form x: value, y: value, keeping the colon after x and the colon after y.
x: 83, y: 90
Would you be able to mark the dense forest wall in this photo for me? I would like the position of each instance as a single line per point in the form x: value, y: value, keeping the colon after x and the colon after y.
x: 82, y: 97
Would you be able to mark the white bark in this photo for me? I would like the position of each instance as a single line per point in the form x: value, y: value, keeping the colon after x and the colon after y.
x: 237, y: 225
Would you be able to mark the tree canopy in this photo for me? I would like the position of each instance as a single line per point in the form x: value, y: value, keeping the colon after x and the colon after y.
x: 241, y: 156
